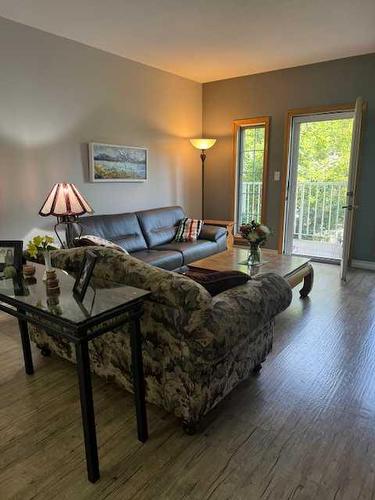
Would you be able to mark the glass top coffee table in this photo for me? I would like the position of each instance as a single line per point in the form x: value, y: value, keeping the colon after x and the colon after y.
x: 62, y: 316
x: 293, y: 268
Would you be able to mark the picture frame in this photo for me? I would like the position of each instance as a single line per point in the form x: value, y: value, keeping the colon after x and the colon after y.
x: 84, y: 276
x: 11, y: 255
x: 117, y: 163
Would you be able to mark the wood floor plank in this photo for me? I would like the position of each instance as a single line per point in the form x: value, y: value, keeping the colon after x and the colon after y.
x: 303, y: 429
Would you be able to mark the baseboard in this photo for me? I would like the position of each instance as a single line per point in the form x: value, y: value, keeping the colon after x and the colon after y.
x: 364, y: 264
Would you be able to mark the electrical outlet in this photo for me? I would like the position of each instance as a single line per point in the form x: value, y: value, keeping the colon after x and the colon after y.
x: 276, y: 176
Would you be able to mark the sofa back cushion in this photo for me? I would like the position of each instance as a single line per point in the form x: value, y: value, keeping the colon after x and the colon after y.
x: 160, y: 225
x: 186, y: 300
x: 122, y: 229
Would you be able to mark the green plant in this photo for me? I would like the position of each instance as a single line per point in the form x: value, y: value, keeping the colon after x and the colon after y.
x: 40, y: 244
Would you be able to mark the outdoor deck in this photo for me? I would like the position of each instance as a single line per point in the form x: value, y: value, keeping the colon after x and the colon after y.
x: 319, y: 216
x: 321, y: 249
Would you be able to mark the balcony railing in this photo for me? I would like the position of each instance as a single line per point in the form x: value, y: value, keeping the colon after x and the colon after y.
x: 318, y: 215
x: 250, y: 203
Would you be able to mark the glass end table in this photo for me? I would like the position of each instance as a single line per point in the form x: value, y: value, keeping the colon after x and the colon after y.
x: 60, y: 314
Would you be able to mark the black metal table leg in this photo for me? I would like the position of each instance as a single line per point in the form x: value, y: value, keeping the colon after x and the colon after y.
x: 26, y: 348
x: 138, y: 380
x: 87, y: 409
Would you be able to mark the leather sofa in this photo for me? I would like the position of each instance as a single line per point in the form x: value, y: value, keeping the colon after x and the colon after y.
x: 149, y: 235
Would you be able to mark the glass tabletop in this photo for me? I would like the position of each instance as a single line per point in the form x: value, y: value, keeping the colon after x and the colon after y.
x: 33, y: 294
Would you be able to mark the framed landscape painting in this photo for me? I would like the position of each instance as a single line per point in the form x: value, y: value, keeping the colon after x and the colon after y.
x: 112, y: 163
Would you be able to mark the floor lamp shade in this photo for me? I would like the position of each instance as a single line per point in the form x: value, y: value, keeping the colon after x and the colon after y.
x: 203, y: 144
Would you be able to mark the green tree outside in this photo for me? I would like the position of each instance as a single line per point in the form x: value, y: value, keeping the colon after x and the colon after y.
x: 252, y: 153
x: 324, y: 155
x: 324, y: 150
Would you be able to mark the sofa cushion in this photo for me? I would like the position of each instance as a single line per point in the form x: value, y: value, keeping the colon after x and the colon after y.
x: 217, y: 281
x: 160, y: 225
x: 191, y: 250
x: 122, y: 229
x: 168, y: 260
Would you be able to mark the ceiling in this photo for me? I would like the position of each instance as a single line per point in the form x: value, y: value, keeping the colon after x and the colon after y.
x: 207, y: 40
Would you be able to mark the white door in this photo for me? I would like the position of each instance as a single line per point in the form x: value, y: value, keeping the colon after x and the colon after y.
x: 351, y: 197
x: 318, y: 175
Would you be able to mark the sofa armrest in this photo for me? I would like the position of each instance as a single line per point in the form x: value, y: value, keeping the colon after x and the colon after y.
x: 261, y: 298
x: 212, y: 233
x: 241, y: 311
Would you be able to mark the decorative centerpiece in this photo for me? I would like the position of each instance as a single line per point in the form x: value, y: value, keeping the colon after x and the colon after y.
x: 256, y: 234
x: 42, y: 245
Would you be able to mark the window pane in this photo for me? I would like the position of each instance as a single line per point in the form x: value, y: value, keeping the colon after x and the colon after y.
x: 258, y: 166
x: 250, y: 172
x: 248, y: 139
x: 248, y: 160
x: 259, y: 138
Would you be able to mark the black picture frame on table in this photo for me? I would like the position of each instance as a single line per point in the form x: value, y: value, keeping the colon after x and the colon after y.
x: 11, y: 255
x: 84, y: 276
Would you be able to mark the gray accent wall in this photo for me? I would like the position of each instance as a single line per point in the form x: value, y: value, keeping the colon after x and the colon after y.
x: 273, y: 94
x: 57, y: 95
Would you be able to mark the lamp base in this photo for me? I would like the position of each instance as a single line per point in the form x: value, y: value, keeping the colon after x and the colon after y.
x: 203, y: 158
x: 68, y: 220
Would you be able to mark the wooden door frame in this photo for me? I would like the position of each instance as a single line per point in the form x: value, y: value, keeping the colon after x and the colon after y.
x: 292, y: 113
x: 237, y: 125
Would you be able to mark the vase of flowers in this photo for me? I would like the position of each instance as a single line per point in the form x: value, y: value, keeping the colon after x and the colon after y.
x: 256, y: 234
x: 42, y: 245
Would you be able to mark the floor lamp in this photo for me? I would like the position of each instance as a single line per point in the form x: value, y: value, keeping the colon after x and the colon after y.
x: 203, y: 145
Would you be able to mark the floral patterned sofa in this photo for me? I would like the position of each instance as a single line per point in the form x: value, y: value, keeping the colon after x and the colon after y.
x: 196, y: 348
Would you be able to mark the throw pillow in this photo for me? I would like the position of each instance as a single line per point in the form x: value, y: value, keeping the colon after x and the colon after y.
x: 216, y: 282
x: 91, y: 240
x: 189, y: 229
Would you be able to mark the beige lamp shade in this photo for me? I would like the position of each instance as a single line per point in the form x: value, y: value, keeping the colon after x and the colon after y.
x: 65, y: 200
x: 203, y: 144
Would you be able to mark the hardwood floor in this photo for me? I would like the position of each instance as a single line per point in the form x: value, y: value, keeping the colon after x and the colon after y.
x: 303, y: 429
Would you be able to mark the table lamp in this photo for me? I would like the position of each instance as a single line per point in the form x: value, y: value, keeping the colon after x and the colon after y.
x: 203, y: 145
x: 66, y: 203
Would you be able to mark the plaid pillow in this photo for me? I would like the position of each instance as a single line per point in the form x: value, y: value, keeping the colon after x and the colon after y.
x: 189, y: 229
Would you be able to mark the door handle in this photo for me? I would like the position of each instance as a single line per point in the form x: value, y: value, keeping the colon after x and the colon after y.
x: 350, y: 207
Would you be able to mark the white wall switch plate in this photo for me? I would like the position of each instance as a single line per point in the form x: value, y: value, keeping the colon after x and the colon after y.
x: 276, y: 176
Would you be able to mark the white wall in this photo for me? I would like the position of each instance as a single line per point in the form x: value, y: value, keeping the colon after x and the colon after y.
x: 57, y: 95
